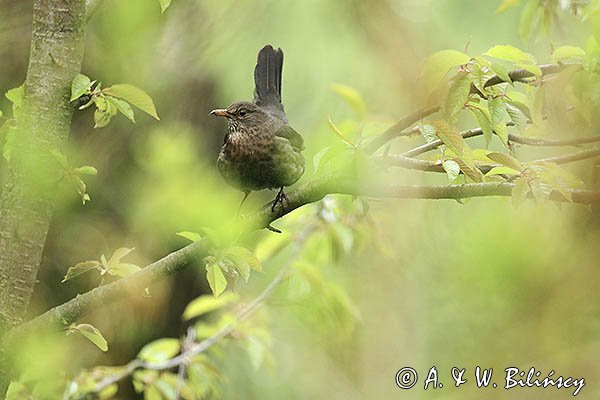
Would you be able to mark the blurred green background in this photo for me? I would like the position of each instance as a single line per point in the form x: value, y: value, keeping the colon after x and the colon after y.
x: 445, y: 284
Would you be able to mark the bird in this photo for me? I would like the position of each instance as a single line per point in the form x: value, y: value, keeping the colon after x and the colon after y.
x: 261, y: 150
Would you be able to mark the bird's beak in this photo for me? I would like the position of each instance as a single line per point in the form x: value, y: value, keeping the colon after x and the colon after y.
x: 221, y: 112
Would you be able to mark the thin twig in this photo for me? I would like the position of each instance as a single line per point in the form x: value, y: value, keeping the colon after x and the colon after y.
x: 200, y: 347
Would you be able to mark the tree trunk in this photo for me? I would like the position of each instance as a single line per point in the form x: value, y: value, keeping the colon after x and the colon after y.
x: 27, y: 191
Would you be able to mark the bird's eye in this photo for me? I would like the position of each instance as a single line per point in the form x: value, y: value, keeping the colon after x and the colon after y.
x: 242, y: 112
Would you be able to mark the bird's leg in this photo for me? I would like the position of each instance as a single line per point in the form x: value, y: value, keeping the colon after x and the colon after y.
x: 279, y: 199
x: 246, y: 194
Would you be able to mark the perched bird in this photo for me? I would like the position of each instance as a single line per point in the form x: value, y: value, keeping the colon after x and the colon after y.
x: 261, y: 150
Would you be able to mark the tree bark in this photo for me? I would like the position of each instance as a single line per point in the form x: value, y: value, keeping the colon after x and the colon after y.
x: 27, y: 191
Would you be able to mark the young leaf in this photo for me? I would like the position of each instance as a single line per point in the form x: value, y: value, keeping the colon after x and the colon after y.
x: 438, y: 64
x: 86, y: 170
x: 510, y: 53
x: 80, y: 85
x: 568, y: 53
x: 458, y: 93
x: 517, y: 116
x: 16, y: 96
x: 123, y: 107
x: 506, y: 5
x: 160, y: 350
x: 483, y: 119
x: 450, y: 136
x: 207, y: 303
x: 164, y: 4
x: 216, y: 279
x: 91, y: 333
x: 452, y: 169
x: 502, y: 171
x: 191, y: 236
x: 428, y: 132
x: 118, y: 255
x: 506, y: 160
x: 135, y: 96
x: 81, y: 268
x: 123, y: 269
x: 501, y: 71
x: 520, y: 191
x: 498, y: 114
x: 352, y: 96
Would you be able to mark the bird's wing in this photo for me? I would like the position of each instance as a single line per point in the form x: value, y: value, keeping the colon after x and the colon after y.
x: 267, y: 78
x: 294, y: 137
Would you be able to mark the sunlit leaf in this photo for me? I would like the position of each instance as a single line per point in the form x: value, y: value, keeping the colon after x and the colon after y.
x: 458, y: 93
x: 506, y: 160
x: 450, y: 136
x: 502, y: 171
x: 506, y: 5
x: 135, y: 96
x: 123, y: 269
x: 164, y: 4
x: 80, y: 86
x: 91, y: 333
x: 438, y: 64
x: 86, y: 170
x: 118, y: 255
x: 191, y: 236
x: 510, y: 53
x: 123, y: 107
x: 428, y: 132
x: 568, y: 53
x: 483, y: 119
x: 501, y: 71
x: 452, y: 169
x: 207, y: 303
x: 498, y: 114
x: 81, y: 268
x: 216, y: 278
x: 160, y: 350
x: 352, y: 96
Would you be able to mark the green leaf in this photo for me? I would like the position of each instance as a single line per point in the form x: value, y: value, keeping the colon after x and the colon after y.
x: 506, y: 160
x: 458, y: 93
x: 91, y: 333
x: 160, y: 350
x: 452, y: 169
x: 428, y: 132
x: 506, y: 5
x: 207, y: 303
x: 191, y: 236
x: 469, y: 169
x: 86, y: 170
x: 352, y: 96
x: 438, y: 64
x: 123, y: 107
x: 520, y: 191
x: 16, y: 96
x: 501, y: 71
x: 81, y: 268
x: 483, y: 119
x: 502, y: 171
x: 164, y: 4
x: 104, y: 112
x: 152, y: 393
x: 80, y: 85
x: 118, y: 255
x: 215, y: 278
x: 528, y: 17
x: 568, y: 53
x: 498, y: 114
x: 450, y: 136
x: 123, y: 269
x: 510, y: 53
x: 135, y: 96
x: 517, y: 116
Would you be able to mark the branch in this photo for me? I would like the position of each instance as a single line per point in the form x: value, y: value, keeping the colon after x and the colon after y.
x: 200, y: 347
x: 512, y: 138
x: 398, y: 129
x: 520, y: 75
x: 402, y: 160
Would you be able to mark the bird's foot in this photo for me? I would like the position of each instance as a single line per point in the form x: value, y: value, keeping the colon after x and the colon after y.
x: 279, y: 200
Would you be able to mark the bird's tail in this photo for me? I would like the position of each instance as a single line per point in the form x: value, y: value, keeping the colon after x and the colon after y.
x: 267, y: 77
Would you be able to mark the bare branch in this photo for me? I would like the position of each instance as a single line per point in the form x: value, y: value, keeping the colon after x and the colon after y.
x: 520, y: 75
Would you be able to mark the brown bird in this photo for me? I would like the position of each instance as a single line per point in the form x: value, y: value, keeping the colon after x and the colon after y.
x: 261, y: 150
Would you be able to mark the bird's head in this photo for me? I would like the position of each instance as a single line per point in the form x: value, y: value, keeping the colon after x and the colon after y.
x: 242, y: 115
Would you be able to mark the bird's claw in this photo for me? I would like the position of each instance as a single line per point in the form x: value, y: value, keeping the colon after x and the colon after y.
x: 280, y: 199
